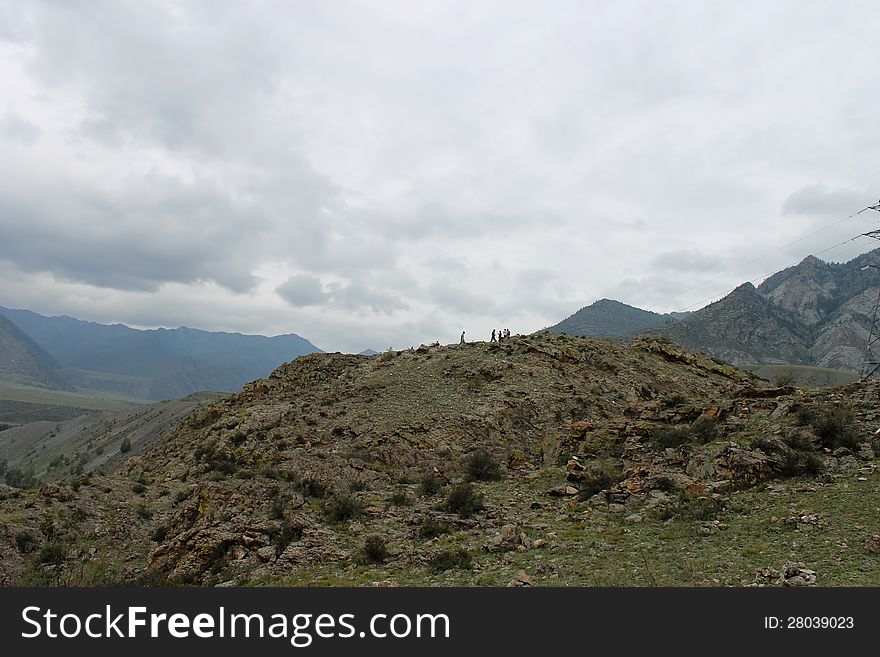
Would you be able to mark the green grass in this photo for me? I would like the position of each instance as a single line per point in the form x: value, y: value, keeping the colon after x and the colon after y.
x: 805, y: 376
x: 595, y: 547
x: 90, y: 399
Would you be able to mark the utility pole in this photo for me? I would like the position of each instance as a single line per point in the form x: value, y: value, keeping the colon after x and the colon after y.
x: 871, y: 364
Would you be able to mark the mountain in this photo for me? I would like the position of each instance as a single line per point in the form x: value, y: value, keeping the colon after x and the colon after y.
x: 743, y: 327
x: 155, y: 364
x: 368, y: 352
x: 814, y: 313
x: 23, y: 362
x: 607, y: 318
x: 546, y: 460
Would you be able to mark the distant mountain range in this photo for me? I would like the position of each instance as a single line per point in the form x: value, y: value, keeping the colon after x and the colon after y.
x: 57, y: 352
x: 814, y: 313
x: 608, y: 318
x: 22, y: 360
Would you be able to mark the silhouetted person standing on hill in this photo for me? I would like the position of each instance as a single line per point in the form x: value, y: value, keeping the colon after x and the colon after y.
x: 462, y: 338
x: 493, y: 336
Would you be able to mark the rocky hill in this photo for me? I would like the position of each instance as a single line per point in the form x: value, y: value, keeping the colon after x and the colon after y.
x: 608, y: 318
x: 23, y: 362
x: 154, y: 364
x: 815, y: 313
x: 543, y: 460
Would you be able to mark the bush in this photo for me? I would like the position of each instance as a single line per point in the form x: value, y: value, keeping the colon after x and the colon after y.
x: 688, y: 507
x: 3, y: 465
x: 54, y: 552
x: 704, y: 430
x: 311, y: 487
x: 277, y: 507
x: 669, y: 436
x: 284, y: 536
x: 159, y: 534
x: 18, y: 479
x: 595, y: 480
x: 430, y: 484
x: 24, y: 542
x: 357, y: 485
x: 125, y: 445
x: 784, y: 380
x: 798, y: 463
x: 451, y: 559
x: 138, y: 489
x: 799, y: 440
x: 481, y: 466
x: 374, y: 550
x: 836, y: 428
x: 143, y: 512
x: 400, y: 498
x: 464, y: 500
x: 340, y: 508
x: 431, y: 528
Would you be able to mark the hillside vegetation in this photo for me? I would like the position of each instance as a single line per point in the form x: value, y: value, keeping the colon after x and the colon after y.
x: 542, y: 460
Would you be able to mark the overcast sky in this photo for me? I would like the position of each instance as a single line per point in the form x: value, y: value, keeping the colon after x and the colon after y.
x: 385, y: 173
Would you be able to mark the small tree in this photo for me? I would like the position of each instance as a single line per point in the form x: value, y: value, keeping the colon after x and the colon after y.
x: 125, y: 445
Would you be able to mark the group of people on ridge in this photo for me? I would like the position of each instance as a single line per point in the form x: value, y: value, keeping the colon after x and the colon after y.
x: 502, y: 334
x: 497, y: 336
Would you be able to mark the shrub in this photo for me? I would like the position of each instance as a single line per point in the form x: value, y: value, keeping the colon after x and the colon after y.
x: 284, y: 536
x: 357, y: 485
x: 18, y: 479
x: 669, y: 436
x: 451, y: 559
x: 340, y: 508
x: 374, y: 550
x: 688, y: 507
x: 798, y: 463
x: 836, y: 428
x: 311, y: 487
x: 138, y: 488
x: 464, y: 500
x: 704, y: 430
x: 277, y: 507
x: 481, y: 466
x: 143, y: 512
x: 3, y: 465
x: 799, y: 440
x: 784, y: 380
x: 125, y: 445
x: 54, y: 552
x: 430, y: 484
x: 24, y: 542
x: 597, y: 479
x: 431, y: 528
x: 803, y: 415
x: 666, y: 484
x: 159, y: 534
x: 400, y: 498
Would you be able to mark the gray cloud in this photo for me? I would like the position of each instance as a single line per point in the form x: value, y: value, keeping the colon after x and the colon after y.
x: 386, y: 174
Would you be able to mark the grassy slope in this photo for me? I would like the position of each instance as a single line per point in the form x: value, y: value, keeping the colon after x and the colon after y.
x: 599, y: 548
x: 80, y: 399
x: 806, y: 376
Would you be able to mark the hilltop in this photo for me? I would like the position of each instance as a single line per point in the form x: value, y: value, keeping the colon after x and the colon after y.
x: 608, y: 318
x: 593, y: 463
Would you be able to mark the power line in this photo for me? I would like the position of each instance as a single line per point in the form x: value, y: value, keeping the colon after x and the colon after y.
x: 784, y: 246
x: 769, y: 273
